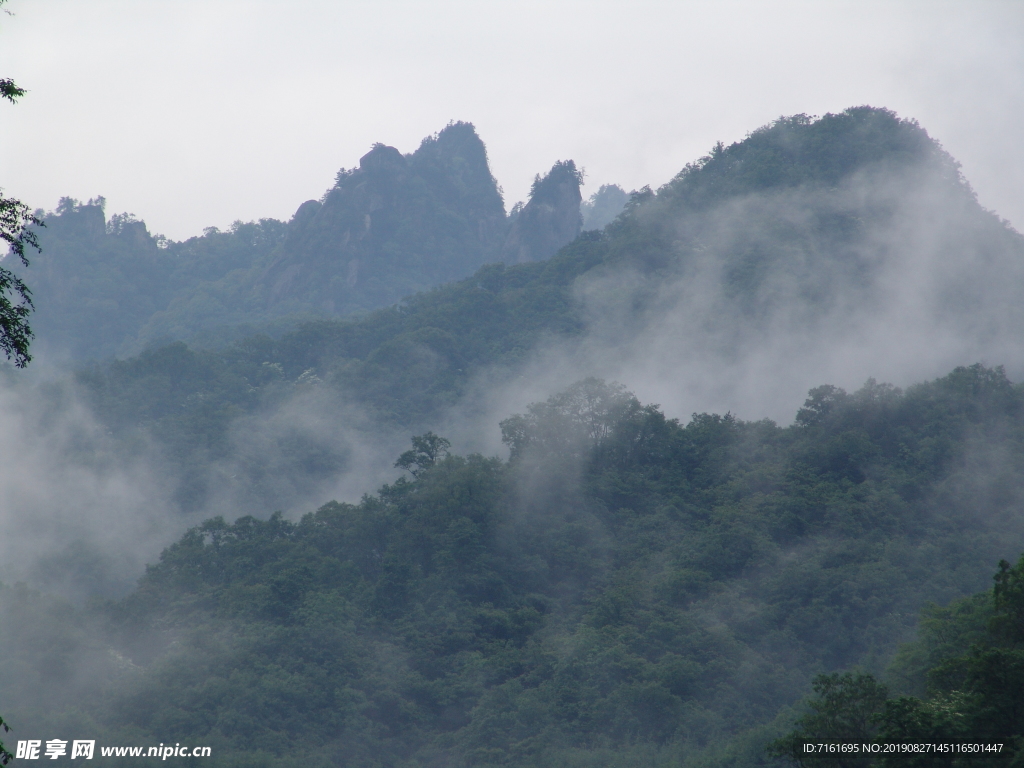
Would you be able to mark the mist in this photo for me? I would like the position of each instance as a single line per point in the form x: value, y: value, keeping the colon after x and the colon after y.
x: 85, y: 510
x: 907, y: 300
x: 757, y: 305
x: 80, y: 517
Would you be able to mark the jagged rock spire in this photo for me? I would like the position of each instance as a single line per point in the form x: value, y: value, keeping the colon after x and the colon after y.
x: 550, y: 219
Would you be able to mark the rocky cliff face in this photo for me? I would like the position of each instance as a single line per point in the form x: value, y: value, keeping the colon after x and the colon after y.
x: 549, y: 220
x: 395, y: 225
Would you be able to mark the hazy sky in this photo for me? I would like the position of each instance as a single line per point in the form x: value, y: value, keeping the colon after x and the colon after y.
x: 191, y: 114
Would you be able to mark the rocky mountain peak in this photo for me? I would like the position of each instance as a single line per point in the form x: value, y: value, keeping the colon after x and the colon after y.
x: 382, y: 158
x: 550, y: 220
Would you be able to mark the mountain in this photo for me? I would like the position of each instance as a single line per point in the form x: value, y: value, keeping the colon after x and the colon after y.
x: 550, y: 220
x: 628, y: 587
x: 115, y: 280
x: 395, y: 225
x: 603, y: 206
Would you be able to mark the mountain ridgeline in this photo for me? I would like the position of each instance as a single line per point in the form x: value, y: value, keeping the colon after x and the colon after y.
x: 393, y: 226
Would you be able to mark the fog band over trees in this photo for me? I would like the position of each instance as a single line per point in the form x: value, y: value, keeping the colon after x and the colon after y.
x: 603, y: 478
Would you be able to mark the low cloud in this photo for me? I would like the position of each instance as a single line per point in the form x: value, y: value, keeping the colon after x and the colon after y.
x: 762, y: 301
x: 79, y: 515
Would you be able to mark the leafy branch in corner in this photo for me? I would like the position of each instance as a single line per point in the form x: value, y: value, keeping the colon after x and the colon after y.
x: 15, y: 222
x: 15, y: 333
x: 15, y: 219
x: 5, y: 756
x: 9, y: 91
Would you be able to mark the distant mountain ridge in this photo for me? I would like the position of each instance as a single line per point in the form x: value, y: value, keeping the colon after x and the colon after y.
x: 395, y: 225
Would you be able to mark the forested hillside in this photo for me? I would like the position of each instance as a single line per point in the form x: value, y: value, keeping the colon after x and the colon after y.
x: 625, y: 590
x: 98, y: 282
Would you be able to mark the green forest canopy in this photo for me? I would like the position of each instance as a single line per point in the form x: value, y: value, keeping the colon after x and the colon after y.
x: 625, y: 590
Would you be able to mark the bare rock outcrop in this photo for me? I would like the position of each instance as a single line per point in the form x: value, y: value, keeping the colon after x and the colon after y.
x: 549, y: 220
x: 395, y: 225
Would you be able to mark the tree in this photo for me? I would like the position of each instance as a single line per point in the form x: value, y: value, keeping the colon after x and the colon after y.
x: 5, y: 756
x: 975, y: 695
x: 15, y: 296
x: 426, y: 451
x: 15, y: 222
x: 9, y: 90
x: 845, y: 711
x: 1008, y: 595
x: 572, y: 423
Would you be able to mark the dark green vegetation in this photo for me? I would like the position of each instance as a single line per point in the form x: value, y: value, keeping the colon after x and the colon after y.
x: 395, y: 225
x: 15, y: 297
x: 967, y: 671
x: 626, y: 590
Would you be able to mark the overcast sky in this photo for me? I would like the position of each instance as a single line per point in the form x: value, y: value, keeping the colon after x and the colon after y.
x: 193, y: 114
